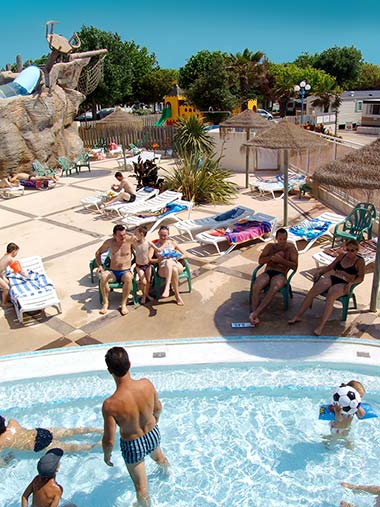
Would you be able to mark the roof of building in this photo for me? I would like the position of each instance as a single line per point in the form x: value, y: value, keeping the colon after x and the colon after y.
x: 361, y: 94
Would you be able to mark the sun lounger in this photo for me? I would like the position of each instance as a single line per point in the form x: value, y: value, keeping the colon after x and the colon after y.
x: 144, y: 155
x: 278, y: 186
x: 157, y: 203
x: 33, y: 294
x: 9, y: 192
x: 143, y: 194
x: 310, y: 230
x: 367, y: 249
x: 229, y: 217
x: 258, y: 226
x: 167, y: 214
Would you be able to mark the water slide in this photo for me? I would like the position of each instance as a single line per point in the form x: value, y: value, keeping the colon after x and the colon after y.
x: 166, y: 113
x: 24, y: 84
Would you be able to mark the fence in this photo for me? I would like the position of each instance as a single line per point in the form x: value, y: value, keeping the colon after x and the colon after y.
x: 92, y: 135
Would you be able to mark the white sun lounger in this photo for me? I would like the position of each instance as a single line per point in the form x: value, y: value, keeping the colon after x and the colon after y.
x: 142, y: 195
x: 311, y: 233
x: 278, y: 186
x: 34, y: 294
x: 9, y: 192
x: 197, y: 225
x: 144, y: 155
x: 133, y: 221
x: 209, y: 239
x: 158, y: 202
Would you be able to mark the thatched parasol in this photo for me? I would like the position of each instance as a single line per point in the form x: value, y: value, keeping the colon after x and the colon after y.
x: 357, y: 170
x: 247, y: 120
x: 121, y: 118
x: 287, y: 137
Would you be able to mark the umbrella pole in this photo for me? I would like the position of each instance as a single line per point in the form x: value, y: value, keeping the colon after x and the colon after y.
x: 376, y: 277
x: 286, y: 186
x: 247, y: 162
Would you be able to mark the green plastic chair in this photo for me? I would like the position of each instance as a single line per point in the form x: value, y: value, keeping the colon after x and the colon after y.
x: 112, y: 285
x: 286, y: 291
x: 357, y: 223
x: 42, y: 170
x: 82, y: 160
x: 158, y: 281
x: 67, y: 166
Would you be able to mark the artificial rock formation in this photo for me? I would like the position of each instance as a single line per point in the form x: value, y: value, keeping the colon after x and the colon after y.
x: 40, y: 126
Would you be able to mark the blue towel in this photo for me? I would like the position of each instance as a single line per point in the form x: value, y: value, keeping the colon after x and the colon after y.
x: 230, y: 215
x: 311, y: 229
x: 37, y: 283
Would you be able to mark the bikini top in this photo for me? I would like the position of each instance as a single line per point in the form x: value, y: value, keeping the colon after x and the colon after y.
x: 351, y: 270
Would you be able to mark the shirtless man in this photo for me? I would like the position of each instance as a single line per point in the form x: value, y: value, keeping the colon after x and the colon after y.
x: 119, y: 247
x: 125, y: 189
x: 279, y: 257
x: 168, y: 258
x: 373, y: 490
x: 135, y: 408
x: 46, y: 492
x: 15, y: 177
x: 14, y: 436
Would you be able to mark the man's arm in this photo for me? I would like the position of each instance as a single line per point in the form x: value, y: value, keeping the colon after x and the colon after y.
x: 157, y: 406
x: 374, y: 490
x: 98, y: 254
x: 26, y: 495
x: 266, y: 255
x: 108, y: 439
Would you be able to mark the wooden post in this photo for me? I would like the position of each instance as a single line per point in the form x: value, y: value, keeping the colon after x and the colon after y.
x: 286, y: 186
x: 247, y: 162
x: 376, y: 276
x: 19, y: 63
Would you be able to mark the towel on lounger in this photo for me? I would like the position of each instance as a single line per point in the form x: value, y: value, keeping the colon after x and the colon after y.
x: 311, y: 229
x: 37, y: 283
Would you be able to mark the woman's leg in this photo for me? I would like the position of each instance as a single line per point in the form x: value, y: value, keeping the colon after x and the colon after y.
x: 321, y: 286
x: 69, y: 432
x: 166, y: 272
x: 333, y: 294
x: 175, y: 285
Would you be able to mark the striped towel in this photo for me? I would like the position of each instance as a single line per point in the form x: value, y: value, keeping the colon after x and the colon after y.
x: 37, y: 283
x: 311, y: 229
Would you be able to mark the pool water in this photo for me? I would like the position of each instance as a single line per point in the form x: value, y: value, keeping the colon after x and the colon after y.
x: 245, y: 435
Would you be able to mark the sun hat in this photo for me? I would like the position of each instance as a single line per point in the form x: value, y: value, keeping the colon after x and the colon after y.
x: 47, y: 465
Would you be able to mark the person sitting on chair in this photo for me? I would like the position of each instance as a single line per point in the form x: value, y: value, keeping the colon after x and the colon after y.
x: 168, y: 258
x: 279, y: 257
x: 125, y: 190
x: 346, y: 270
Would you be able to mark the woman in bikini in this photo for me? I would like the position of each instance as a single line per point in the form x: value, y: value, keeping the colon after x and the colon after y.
x: 169, y: 267
x: 346, y: 270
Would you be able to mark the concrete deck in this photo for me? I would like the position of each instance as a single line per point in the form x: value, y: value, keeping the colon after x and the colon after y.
x: 54, y: 225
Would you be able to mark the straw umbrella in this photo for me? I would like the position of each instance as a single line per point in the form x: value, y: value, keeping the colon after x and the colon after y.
x: 357, y: 170
x: 247, y: 120
x: 119, y: 120
x: 287, y: 137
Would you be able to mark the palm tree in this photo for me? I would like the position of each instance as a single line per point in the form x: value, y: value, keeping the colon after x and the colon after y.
x: 192, y: 137
x: 245, y: 64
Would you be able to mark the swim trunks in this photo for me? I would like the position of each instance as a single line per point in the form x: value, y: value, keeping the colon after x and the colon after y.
x: 143, y: 267
x: 119, y: 273
x: 132, y: 198
x: 43, y: 439
x: 272, y: 273
x: 134, y: 451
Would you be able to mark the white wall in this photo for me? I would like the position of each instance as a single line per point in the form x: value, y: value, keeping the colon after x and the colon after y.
x: 347, y: 113
x: 234, y: 158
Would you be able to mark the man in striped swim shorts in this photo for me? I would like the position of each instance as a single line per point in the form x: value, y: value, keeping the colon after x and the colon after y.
x: 135, y: 408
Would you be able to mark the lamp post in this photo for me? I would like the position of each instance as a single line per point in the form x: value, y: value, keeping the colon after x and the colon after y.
x: 302, y: 88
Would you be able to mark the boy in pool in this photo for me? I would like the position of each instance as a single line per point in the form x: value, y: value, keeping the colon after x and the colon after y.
x: 45, y: 491
x: 373, y: 490
x: 341, y: 425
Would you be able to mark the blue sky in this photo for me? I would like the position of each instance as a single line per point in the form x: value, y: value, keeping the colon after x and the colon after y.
x: 176, y: 30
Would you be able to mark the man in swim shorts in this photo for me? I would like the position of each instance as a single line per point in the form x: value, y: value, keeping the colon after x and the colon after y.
x: 279, y: 257
x: 125, y: 190
x: 135, y: 408
x: 120, y: 253
x: 14, y: 436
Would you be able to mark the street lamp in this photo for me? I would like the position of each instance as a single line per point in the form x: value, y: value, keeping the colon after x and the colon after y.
x: 302, y: 88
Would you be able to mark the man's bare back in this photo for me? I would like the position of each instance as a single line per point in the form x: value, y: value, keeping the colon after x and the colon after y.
x: 46, y: 492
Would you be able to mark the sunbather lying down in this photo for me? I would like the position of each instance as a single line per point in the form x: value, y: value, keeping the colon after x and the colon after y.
x: 15, y: 177
x: 14, y: 436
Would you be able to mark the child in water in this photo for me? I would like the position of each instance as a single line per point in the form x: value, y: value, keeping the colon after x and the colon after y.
x: 341, y: 425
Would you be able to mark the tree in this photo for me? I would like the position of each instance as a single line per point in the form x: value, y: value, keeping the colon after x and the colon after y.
x: 192, y: 137
x: 245, y: 65
x: 305, y: 60
x: 211, y: 86
x: 124, y: 67
x: 368, y: 78
x: 156, y: 84
x: 343, y: 63
x: 196, y: 66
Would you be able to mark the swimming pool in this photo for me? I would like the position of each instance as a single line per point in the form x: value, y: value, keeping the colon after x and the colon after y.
x: 236, y: 435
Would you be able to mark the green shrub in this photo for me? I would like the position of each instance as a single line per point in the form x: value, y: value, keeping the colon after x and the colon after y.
x: 201, y: 180
x: 192, y: 137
